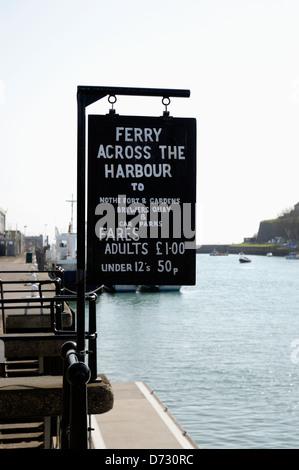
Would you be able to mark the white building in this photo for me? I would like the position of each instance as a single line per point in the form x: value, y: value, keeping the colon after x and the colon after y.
x: 2, y: 221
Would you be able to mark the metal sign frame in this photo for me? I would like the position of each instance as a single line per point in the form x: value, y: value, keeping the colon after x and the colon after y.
x: 87, y: 95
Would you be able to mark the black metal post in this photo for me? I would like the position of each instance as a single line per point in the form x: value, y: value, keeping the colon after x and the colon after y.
x: 59, y: 306
x: 78, y: 375
x: 65, y: 399
x: 74, y: 399
x: 81, y: 281
x: 58, y: 319
x: 92, y: 342
x: 2, y: 307
x: 2, y: 359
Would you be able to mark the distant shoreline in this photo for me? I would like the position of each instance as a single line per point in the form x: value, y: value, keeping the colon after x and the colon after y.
x: 249, y: 249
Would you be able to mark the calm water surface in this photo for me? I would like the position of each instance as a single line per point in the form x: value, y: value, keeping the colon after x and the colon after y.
x: 221, y: 355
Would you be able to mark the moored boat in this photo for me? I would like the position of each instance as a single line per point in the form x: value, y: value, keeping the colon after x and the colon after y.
x: 121, y: 288
x: 158, y: 288
x: 141, y: 288
x: 293, y: 255
x: 218, y: 253
x: 63, y: 254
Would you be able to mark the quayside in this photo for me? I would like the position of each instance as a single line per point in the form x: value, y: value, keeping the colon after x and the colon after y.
x: 37, y: 346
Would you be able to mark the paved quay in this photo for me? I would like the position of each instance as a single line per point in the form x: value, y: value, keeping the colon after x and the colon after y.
x: 22, y: 281
x: 138, y: 420
x: 122, y: 415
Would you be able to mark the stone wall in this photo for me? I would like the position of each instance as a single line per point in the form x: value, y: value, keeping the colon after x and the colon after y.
x: 248, y: 250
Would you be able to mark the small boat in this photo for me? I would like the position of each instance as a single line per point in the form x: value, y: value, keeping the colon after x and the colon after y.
x: 269, y: 254
x: 293, y: 255
x: 218, y: 253
x: 244, y: 259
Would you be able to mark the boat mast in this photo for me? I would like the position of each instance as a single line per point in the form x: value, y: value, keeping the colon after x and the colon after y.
x: 72, y: 211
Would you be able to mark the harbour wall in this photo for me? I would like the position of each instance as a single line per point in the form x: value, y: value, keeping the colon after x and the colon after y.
x: 246, y: 249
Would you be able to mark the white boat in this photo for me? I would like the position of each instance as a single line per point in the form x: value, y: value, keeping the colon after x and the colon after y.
x: 293, y: 255
x: 63, y: 254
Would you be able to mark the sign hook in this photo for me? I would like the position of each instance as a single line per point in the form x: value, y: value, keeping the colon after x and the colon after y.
x: 166, y: 102
x: 112, y: 100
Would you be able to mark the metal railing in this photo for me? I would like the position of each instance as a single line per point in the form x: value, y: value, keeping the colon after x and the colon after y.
x: 24, y: 304
x: 55, y: 306
x: 76, y: 374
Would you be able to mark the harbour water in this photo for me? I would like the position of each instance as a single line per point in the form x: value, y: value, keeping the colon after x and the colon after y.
x: 223, y: 355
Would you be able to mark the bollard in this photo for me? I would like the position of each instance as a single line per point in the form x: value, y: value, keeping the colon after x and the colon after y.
x: 34, y: 290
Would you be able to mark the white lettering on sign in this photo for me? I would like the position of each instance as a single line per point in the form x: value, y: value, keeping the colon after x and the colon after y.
x: 116, y: 267
x: 136, y: 134
x: 139, y: 153
x: 169, y: 152
x: 156, y: 170
x: 132, y: 248
x: 128, y: 152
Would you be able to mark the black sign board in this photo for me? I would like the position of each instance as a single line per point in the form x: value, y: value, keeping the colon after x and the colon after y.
x: 141, y: 200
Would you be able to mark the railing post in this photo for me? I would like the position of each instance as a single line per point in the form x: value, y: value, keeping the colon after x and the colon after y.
x: 2, y: 307
x: 59, y: 306
x: 59, y: 272
x: 58, y: 316
x: 74, y: 400
x: 65, y: 399
x: 92, y: 342
x: 78, y: 375
x: 2, y: 359
x: 57, y: 282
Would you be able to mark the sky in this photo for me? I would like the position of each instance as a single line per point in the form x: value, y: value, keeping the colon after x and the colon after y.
x: 238, y: 58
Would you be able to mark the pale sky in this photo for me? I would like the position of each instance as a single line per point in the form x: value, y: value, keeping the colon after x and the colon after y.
x: 239, y: 59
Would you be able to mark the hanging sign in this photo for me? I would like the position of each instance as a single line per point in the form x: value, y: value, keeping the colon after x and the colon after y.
x: 141, y: 200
